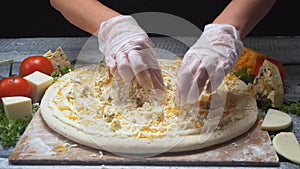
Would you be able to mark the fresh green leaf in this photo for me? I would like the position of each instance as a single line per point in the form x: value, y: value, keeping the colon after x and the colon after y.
x: 291, y: 107
x: 35, y: 108
x: 244, y: 76
x: 54, y: 74
x: 264, y: 106
x: 272, y: 136
x: 11, y: 130
x: 65, y: 70
x: 61, y: 72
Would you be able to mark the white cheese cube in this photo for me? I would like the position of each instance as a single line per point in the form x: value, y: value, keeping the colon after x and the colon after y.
x: 17, y: 107
x: 39, y: 82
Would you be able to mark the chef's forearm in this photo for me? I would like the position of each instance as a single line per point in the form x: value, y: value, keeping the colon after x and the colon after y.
x: 85, y: 14
x: 244, y: 14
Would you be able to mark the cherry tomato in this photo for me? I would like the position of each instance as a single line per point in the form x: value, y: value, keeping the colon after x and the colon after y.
x: 36, y: 63
x: 275, y: 62
x: 14, y: 86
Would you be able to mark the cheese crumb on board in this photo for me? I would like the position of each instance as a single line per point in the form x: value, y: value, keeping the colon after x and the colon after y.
x: 17, y: 107
x: 286, y: 144
x: 93, y: 155
x: 276, y: 120
x: 74, y: 145
x: 39, y: 82
x: 100, y: 154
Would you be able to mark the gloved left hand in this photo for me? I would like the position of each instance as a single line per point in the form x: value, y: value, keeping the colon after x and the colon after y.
x: 213, y: 56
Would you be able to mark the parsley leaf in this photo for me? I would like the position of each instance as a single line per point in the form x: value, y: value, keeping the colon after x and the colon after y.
x: 61, y: 72
x: 244, y: 76
x: 35, y: 107
x: 291, y: 106
x: 11, y: 130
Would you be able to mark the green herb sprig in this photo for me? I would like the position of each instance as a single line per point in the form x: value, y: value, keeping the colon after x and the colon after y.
x: 244, y: 75
x: 61, y: 72
x: 291, y: 107
x: 11, y: 130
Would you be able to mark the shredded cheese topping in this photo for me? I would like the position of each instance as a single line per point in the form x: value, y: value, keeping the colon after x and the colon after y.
x: 90, y: 99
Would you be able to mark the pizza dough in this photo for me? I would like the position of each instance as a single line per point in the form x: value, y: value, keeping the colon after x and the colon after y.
x: 92, y: 108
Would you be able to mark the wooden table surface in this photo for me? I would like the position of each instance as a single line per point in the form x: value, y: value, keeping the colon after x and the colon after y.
x: 284, y: 49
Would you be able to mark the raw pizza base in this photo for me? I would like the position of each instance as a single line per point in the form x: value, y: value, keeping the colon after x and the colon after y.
x: 131, y: 145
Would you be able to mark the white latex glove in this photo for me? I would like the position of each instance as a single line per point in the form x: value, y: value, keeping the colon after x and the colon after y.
x: 129, y: 52
x: 213, y: 56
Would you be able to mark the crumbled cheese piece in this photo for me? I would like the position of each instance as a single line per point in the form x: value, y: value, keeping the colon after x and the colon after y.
x: 268, y: 84
x: 58, y: 59
x: 115, y: 124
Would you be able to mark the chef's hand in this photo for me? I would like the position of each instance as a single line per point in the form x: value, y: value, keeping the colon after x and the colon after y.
x: 129, y: 52
x: 213, y: 56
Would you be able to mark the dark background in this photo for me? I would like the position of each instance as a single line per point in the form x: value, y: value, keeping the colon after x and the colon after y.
x: 37, y: 18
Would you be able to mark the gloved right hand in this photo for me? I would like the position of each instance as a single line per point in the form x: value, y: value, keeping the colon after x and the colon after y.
x: 129, y: 52
x: 210, y: 59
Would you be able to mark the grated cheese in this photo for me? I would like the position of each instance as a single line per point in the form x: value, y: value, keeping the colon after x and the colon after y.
x: 100, y: 104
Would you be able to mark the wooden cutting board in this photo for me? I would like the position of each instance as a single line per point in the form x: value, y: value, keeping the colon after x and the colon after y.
x: 40, y: 145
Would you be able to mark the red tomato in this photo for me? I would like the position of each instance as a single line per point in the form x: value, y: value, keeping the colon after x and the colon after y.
x: 275, y: 62
x: 14, y: 86
x: 36, y: 63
